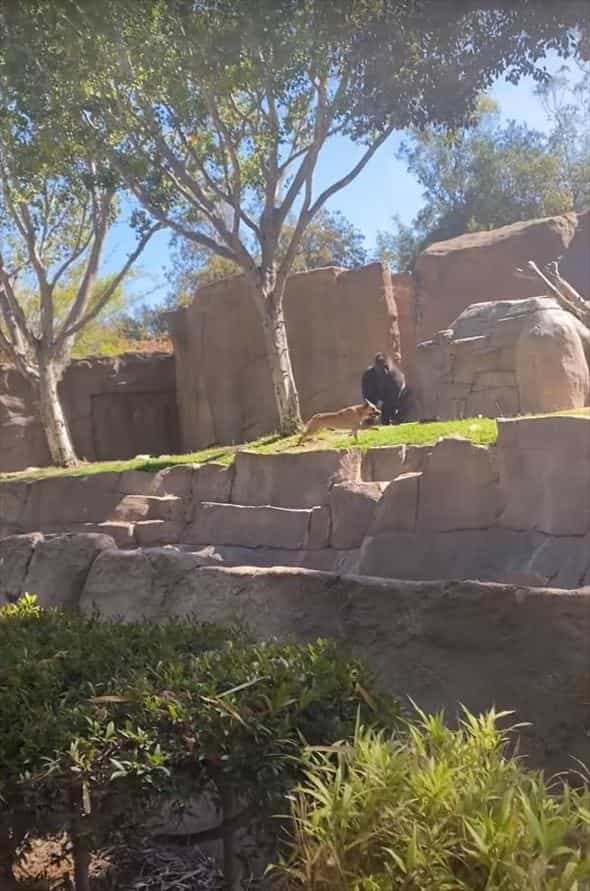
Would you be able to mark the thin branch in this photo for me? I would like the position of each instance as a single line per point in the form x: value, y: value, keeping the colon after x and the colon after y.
x: 13, y: 312
x: 582, y: 314
x: 71, y: 259
x: 197, y: 237
x: 100, y: 214
x: 552, y: 270
x: 323, y: 117
x: 166, y: 220
x: 225, y: 136
x: 108, y: 292
x: 358, y: 168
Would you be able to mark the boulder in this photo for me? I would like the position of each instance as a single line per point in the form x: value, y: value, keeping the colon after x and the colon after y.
x: 141, y: 584
x: 318, y: 533
x: 324, y: 559
x: 481, y: 266
x: 60, y: 565
x: 416, y: 457
x: 212, y: 482
x: 287, y: 479
x: 459, y: 487
x: 505, y: 358
x: 135, y: 508
x: 61, y: 500
x: 177, y: 481
x: 158, y: 532
x: 138, y: 482
x: 383, y: 463
x: 254, y: 526
x: 551, y: 360
x: 119, y: 587
x: 16, y: 553
x: 398, y: 508
x: 352, y: 506
x: 15, y: 504
x: 544, y: 466
x: 122, y: 533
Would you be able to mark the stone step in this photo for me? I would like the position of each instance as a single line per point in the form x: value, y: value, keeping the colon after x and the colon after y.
x: 138, y: 508
x: 287, y: 479
x: 248, y: 526
x: 149, y: 533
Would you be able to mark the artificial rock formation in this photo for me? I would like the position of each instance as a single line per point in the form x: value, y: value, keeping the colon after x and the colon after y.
x: 116, y: 408
x: 445, y: 645
x: 337, y: 319
x: 505, y: 358
x: 481, y: 267
x: 517, y: 512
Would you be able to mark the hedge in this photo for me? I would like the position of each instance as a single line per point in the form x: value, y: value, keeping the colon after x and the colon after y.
x: 102, y: 723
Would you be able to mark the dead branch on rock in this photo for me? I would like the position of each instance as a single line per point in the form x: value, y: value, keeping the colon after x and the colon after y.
x: 559, y: 288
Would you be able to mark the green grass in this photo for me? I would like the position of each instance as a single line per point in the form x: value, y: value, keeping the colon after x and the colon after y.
x: 482, y: 431
x: 479, y: 430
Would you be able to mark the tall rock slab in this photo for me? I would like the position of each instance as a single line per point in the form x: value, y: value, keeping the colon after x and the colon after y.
x: 337, y: 319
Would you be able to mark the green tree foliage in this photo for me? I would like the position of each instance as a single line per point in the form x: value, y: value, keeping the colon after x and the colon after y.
x: 481, y: 177
x: 435, y: 809
x: 59, y: 199
x: 102, y: 335
x: 490, y: 174
x: 102, y: 723
x: 215, y: 114
x: 566, y: 100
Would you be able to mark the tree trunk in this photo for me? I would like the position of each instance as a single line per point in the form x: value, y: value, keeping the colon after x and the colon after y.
x: 270, y: 308
x: 81, y: 858
x: 7, y: 859
x: 53, y: 418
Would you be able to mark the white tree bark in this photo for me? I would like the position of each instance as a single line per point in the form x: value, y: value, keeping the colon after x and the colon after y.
x: 55, y: 425
x: 272, y: 315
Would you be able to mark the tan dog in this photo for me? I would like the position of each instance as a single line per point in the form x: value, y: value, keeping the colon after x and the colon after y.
x: 350, y: 418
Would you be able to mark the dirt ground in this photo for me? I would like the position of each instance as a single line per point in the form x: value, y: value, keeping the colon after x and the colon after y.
x: 48, y: 867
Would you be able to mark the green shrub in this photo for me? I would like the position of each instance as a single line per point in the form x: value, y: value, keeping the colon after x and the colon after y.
x: 436, y: 809
x: 100, y: 723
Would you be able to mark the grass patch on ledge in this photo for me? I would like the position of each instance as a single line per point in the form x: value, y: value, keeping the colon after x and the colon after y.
x: 481, y: 431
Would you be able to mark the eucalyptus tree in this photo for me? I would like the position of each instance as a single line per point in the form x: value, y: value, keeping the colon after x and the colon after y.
x: 216, y: 113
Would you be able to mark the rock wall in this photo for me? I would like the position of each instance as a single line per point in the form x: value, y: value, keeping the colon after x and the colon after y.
x: 480, y: 266
x: 442, y: 644
x: 517, y: 513
x: 116, y: 407
x: 337, y: 320
x: 505, y: 358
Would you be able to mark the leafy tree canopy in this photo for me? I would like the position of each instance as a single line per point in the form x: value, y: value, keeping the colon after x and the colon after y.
x: 490, y: 174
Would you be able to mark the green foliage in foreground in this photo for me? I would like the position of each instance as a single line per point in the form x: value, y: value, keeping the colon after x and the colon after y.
x: 100, y: 723
x: 434, y: 810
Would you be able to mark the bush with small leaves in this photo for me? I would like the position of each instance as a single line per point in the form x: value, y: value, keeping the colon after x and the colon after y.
x: 102, y: 723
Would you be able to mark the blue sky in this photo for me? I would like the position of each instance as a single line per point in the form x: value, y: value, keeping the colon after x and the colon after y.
x: 384, y: 189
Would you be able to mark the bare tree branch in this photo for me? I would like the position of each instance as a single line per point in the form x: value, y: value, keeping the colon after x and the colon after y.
x: 581, y: 312
x: 14, y: 316
x: 100, y: 220
x: 346, y: 180
x: 108, y: 292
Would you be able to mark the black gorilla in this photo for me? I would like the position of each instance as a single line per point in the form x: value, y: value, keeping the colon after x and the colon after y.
x: 384, y: 385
